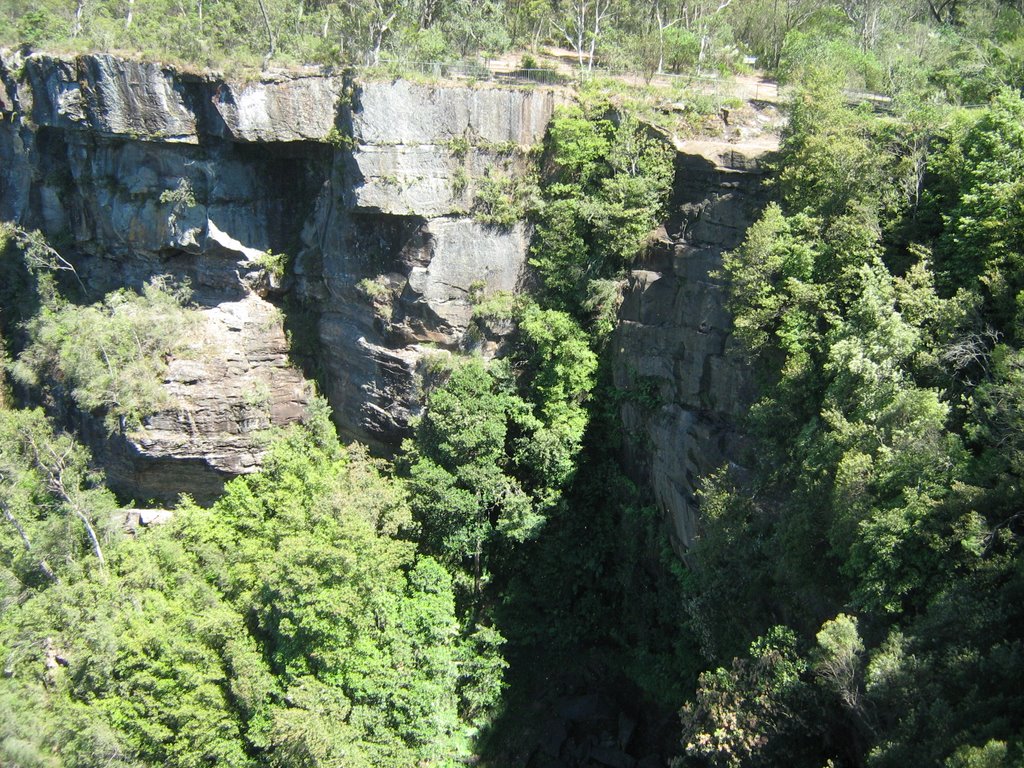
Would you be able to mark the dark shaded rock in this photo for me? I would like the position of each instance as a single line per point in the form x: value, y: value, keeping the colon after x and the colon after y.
x: 611, y: 757
x: 673, y: 344
x: 589, y: 707
x: 138, y: 170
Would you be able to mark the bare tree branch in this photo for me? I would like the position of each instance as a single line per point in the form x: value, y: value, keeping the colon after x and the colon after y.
x: 57, y: 485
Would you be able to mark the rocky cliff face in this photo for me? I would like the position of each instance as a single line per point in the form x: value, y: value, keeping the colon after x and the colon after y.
x: 139, y: 170
x: 390, y: 256
x: 673, y: 347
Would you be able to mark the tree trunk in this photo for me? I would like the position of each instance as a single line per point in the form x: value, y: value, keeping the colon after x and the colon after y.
x: 661, y: 44
x: 270, y: 33
x: 428, y: 14
x: 76, y: 28
x: 378, y: 38
x: 600, y: 12
x: 43, y: 565
x: 476, y: 567
x: 662, y: 26
x: 91, y: 533
x: 56, y: 485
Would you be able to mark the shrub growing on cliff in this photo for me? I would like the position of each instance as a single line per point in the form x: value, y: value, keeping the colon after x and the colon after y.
x: 493, y: 452
x: 463, y: 492
x: 110, y: 357
x: 503, y: 199
x: 606, y: 185
x: 274, y: 264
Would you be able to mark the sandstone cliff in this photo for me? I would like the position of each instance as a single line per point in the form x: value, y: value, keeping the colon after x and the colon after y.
x: 141, y: 170
x: 673, y: 345
x: 389, y: 254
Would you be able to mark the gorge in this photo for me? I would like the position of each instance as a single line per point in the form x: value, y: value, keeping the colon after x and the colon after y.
x: 139, y: 170
x: 511, y: 412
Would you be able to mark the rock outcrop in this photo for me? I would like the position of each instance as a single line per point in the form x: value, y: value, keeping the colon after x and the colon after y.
x: 115, y: 97
x: 674, y: 353
x: 236, y: 382
x: 391, y: 256
x: 141, y: 170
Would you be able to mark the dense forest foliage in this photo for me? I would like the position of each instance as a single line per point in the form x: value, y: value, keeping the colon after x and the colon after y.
x: 855, y: 597
x: 875, y: 543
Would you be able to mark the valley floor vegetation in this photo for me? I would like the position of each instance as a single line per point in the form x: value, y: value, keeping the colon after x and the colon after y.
x: 855, y: 596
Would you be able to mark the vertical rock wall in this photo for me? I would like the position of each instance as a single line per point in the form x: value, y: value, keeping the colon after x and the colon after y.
x: 689, y: 386
x: 393, y: 253
x: 137, y: 170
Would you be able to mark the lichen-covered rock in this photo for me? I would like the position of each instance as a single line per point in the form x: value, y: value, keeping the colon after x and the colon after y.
x: 391, y: 254
x: 464, y: 254
x: 100, y: 154
x: 108, y: 95
x: 401, y: 112
x: 420, y: 148
x: 146, y: 101
x: 387, y: 290
x: 421, y: 179
x: 280, y: 109
x: 11, y: 63
x: 235, y: 382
